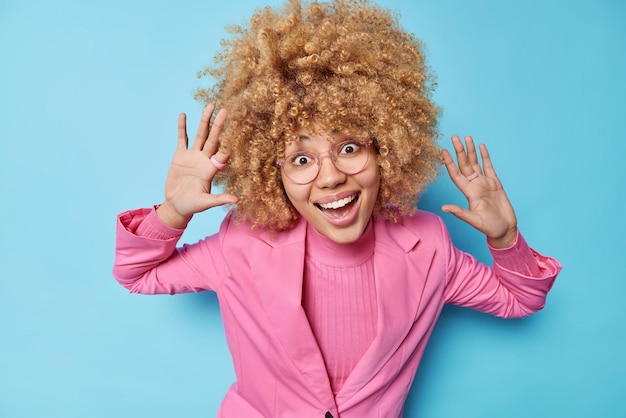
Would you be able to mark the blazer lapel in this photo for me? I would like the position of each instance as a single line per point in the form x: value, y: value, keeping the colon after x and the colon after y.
x: 400, y: 281
x: 280, y: 290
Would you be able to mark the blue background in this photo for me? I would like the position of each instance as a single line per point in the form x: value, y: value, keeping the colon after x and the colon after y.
x: 89, y: 97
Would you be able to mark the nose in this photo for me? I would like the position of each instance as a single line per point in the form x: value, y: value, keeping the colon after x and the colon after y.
x: 329, y: 176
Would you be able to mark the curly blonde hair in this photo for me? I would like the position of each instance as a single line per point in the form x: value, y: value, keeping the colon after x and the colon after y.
x: 345, y: 65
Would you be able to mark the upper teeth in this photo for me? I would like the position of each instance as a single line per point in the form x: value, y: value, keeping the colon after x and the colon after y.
x: 339, y: 203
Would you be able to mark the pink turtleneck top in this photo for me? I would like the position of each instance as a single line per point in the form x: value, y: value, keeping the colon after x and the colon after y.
x: 339, y: 298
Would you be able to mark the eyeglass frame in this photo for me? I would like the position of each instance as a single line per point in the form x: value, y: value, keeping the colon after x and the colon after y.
x: 333, y: 158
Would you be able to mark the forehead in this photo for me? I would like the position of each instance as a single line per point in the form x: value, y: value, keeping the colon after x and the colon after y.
x: 315, y: 130
x: 319, y: 140
x: 318, y: 133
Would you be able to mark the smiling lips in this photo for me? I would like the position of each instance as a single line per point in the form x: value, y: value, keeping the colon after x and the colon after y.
x: 340, y: 212
x: 338, y: 203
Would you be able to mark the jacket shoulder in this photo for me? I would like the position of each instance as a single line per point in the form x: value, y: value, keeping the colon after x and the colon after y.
x: 234, y: 230
x: 422, y: 222
x: 423, y: 226
x: 424, y: 216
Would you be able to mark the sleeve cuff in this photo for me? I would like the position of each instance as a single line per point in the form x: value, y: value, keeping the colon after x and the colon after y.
x: 519, y: 257
x: 147, y: 224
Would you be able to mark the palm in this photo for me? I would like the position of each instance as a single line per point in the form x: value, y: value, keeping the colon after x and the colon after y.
x: 188, y: 180
x: 489, y: 209
x: 188, y: 184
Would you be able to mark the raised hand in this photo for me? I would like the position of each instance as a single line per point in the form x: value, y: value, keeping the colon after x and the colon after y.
x: 188, y: 184
x: 489, y: 208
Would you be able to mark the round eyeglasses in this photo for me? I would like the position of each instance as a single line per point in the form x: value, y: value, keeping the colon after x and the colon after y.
x: 349, y: 157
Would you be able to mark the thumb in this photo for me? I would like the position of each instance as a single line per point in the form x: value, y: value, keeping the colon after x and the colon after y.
x: 209, y: 201
x: 463, y: 214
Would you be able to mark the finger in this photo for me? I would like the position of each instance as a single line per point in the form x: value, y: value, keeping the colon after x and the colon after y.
x: 183, y: 140
x: 209, y: 201
x: 457, y: 177
x: 203, y: 129
x: 463, y: 214
x: 472, y: 156
x: 210, y: 146
x: 487, y: 164
x: 221, y: 158
x: 461, y: 156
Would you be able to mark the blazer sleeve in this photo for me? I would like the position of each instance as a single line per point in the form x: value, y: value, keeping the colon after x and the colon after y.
x: 515, y: 286
x: 147, y: 260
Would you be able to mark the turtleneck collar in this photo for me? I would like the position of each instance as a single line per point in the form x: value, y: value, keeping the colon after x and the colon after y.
x: 324, y: 250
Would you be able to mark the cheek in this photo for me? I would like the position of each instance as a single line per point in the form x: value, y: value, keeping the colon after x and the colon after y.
x: 371, y: 186
x: 371, y: 180
x: 296, y: 194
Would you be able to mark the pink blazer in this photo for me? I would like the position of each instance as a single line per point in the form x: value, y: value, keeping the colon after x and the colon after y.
x: 257, y: 276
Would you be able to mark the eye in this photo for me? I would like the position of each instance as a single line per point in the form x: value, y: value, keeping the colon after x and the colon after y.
x: 347, y: 148
x: 300, y: 160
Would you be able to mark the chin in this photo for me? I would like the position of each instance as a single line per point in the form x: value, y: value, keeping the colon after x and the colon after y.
x: 346, y: 235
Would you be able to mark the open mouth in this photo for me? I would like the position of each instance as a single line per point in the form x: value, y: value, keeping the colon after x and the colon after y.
x: 339, y: 208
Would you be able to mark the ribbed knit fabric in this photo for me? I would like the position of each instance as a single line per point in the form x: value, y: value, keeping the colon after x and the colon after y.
x: 518, y: 257
x: 339, y: 298
x: 153, y: 227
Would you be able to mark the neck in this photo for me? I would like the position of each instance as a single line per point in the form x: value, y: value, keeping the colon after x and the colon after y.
x: 327, y: 251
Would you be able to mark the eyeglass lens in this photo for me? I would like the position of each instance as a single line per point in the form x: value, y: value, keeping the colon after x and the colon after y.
x: 349, y: 157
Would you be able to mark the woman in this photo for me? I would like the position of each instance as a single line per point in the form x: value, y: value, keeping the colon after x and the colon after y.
x: 329, y: 280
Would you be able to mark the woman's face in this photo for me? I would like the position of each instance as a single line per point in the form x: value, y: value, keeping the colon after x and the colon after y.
x: 337, y: 205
